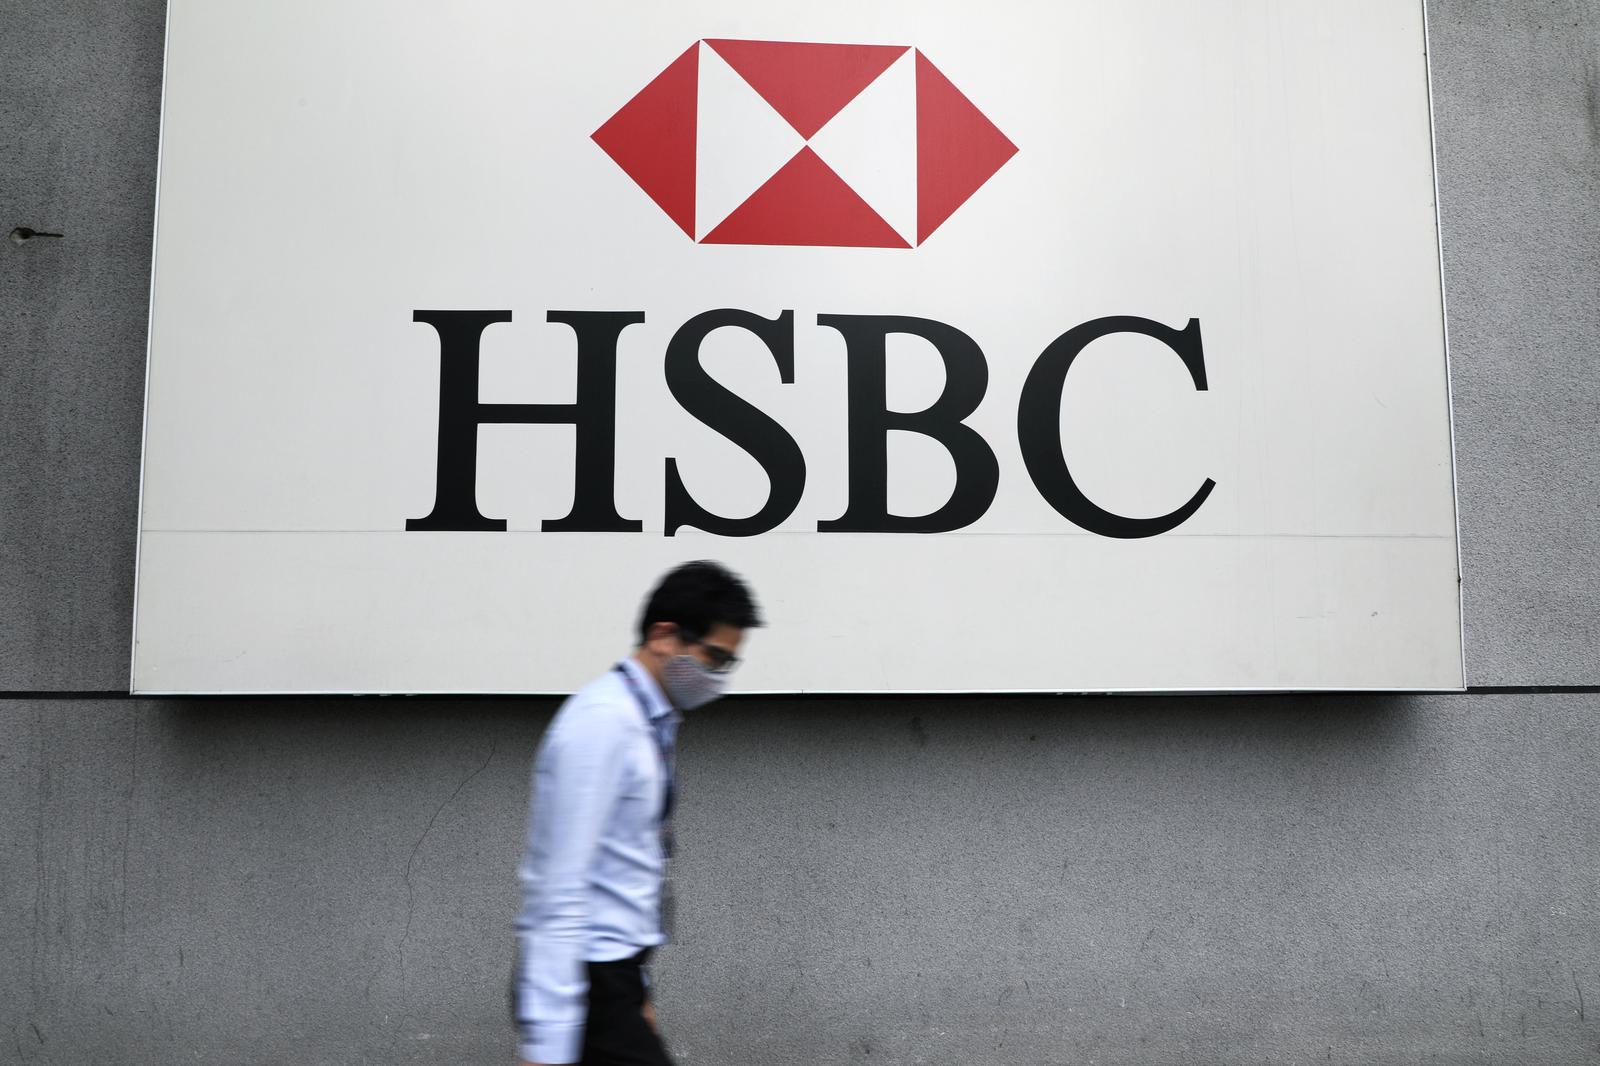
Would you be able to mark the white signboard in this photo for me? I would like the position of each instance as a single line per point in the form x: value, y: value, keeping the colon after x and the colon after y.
x: 1012, y: 346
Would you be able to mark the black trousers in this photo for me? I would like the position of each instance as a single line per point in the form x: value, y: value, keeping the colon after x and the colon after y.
x: 615, y: 1032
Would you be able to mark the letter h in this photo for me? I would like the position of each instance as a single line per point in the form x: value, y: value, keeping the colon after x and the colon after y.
x: 593, y: 415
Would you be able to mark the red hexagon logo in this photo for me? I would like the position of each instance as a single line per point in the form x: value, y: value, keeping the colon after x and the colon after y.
x: 790, y: 143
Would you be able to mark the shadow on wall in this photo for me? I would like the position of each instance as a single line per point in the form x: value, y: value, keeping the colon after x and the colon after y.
x: 1361, y: 738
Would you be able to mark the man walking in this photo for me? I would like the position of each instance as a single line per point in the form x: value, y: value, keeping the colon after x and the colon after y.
x: 594, y: 866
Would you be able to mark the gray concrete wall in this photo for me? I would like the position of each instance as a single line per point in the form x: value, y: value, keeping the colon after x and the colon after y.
x: 1517, y: 127
x: 80, y: 96
x: 1356, y: 880
x: 1345, y: 879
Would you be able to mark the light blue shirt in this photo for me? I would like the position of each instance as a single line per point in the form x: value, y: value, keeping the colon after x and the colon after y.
x: 593, y: 865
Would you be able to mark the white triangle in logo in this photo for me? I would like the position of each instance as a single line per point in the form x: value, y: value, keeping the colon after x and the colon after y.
x: 872, y: 145
x: 740, y: 142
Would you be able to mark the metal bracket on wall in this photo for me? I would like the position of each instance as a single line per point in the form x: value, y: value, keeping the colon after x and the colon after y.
x: 22, y: 235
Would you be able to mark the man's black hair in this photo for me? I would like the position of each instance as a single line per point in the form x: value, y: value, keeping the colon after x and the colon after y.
x: 697, y: 596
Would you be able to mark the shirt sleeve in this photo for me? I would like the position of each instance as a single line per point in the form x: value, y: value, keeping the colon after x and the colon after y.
x: 576, y: 778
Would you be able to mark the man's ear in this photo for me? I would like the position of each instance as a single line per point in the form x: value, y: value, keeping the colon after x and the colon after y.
x: 660, y: 630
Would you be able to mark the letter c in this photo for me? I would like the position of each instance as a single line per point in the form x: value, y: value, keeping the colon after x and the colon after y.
x: 1039, y: 420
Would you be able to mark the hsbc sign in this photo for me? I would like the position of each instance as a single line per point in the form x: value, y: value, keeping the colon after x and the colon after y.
x: 1003, y: 349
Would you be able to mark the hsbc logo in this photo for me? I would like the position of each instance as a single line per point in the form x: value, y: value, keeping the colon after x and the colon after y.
x: 793, y: 144
x: 790, y: 143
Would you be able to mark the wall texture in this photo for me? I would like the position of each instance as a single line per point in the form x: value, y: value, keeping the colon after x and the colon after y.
x: 79, y: 112
x: 1344, y: 879
x: 1517, y: 127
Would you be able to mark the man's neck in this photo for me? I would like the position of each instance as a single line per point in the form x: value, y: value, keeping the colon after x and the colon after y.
x: 649, y: 664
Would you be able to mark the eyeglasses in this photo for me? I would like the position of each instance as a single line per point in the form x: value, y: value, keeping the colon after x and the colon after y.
x: 723, y: 661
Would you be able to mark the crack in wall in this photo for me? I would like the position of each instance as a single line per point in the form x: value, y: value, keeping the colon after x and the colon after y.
x: 411, y: 895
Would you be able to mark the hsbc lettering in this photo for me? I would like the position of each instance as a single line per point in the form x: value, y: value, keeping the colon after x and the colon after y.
x: 593, y: 416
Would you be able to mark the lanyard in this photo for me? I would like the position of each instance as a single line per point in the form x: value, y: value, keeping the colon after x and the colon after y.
x: 661, y: 742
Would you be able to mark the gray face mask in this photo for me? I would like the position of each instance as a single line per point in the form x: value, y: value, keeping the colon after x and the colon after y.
x: 689, y: 683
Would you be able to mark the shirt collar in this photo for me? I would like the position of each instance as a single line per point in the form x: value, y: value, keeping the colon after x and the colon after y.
x: 659, y: 706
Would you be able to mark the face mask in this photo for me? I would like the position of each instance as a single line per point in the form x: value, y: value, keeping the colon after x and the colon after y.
x: 689, y: 683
